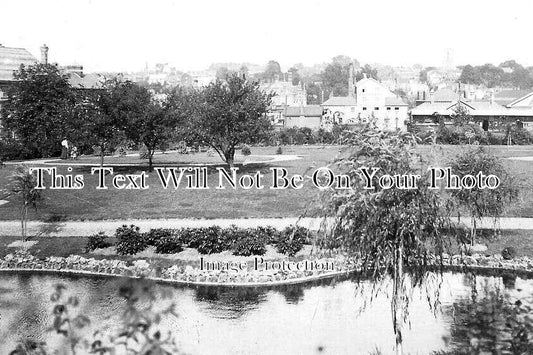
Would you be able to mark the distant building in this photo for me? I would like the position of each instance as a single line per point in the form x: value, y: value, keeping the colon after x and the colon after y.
x: 303, y: 116
x: 285, y: 93
x: 368, y: 101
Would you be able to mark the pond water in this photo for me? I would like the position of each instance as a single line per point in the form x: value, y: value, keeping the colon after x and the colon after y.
x: 323, y: 317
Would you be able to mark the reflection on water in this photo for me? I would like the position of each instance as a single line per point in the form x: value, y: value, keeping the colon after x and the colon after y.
x: 322, y: 317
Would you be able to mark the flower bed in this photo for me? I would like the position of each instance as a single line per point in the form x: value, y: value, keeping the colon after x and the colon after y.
x: 196, y: 276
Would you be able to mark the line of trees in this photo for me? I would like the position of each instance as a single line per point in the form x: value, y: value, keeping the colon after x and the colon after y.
x: 42, y: 109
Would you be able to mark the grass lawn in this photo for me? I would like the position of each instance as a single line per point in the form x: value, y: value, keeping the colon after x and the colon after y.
x: 156, y: 202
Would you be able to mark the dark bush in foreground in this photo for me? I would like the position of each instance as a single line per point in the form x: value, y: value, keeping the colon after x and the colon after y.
x: 247, y: 242
x: 292, y: 240
x: 97, y: 241
x: 190, y: 236
x: 129, y: 240
x: 154, y: 235
x: 168, y: 245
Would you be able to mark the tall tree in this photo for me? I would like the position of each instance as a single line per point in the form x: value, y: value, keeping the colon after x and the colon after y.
x: 228, y: 113
x: 40, y: 108
x: 272, y: 70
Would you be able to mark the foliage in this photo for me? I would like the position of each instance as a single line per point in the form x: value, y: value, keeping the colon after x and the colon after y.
x: 168, y: 244
x: 23, y: 185
x: 245, y: 150
x: 492, y: 323
x: 13, y: 149
x: 492, y: 76
x: 482, y: 202
x: 212, y: 240
x: 279, y: 151
x: 153, y: 236
x: 268, y: 233
x: 97, y: 241
x: 129, y: 240
x: 40, y: 109
x: 386, y: 230
x: 227, y: 113
x: 137, y: 334
x: 247, y: 243
x: 292, y: 239
x: 143, y: 153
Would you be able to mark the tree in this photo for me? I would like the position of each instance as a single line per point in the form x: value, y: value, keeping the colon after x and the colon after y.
x: 387, y: 231
x: 110, y: 111
x: 273, y: 70
x: 228, y: 113
x: 153, y: 126
x: 367, y: 71
x: 40, y: 108
x: 335, y: 79
x: 23, y: 185
x: 482, y: 202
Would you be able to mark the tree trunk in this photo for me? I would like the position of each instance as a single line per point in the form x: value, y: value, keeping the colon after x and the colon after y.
x: 150, y: 159
x: 229, y: 156
x: 473, y: 231
x: 102, y: 154
x: 397, y: 301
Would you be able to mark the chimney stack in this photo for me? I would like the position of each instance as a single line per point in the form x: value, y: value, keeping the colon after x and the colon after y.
x: 351, y: 87
x: 44, y: 54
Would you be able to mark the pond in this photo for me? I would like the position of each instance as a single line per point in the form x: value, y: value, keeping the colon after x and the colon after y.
x: 323, y: 317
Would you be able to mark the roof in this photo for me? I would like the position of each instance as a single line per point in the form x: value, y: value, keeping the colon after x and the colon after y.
x: 482, y: 108
x: 11, y: 59
x: 445, y: 95
x: 394, y: 101
x: 505, y: 97
x: 340, y: 101
x: 88, y: 81
x: 312, y: 110
x: 525, y: 101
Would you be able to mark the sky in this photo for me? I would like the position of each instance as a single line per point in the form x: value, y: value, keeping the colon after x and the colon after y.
x: 125, y: 35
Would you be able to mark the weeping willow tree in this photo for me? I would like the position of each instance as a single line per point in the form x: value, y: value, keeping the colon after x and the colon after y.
x: 395, y: 234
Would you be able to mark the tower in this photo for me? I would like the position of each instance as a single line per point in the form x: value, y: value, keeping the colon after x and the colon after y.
x: 44, y: 54
x: 351, y: 86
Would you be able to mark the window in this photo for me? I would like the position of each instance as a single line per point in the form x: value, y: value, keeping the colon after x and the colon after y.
x: 376, y: 108
x: 388, y: 108
x: 364, y: 108
x: 396, y: 109
x: 363, y: 90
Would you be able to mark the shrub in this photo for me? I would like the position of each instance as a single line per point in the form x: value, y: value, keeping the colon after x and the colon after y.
x: 509, y: 253
x: 97, y: 241
x: 153, y: 236
x: 248, y: 244
x: 292, y: 240
x: 279, y: 151
x: 269, y: 234
x: 246, y: 150
x: 168, y: 244
x: 129, y: 240
x: 189, y: 236
x: 211, y: 240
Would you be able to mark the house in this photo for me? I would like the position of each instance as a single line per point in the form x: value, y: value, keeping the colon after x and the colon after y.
x: 285, y: 93
x: 340, y: 110
x: 303, y: 116
x: 506, y: 96
x: 428, y: 114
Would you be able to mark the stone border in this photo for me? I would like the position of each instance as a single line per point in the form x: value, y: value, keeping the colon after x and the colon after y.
x: 77, y: 265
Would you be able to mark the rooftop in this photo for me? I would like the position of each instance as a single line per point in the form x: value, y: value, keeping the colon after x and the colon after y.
x: 340, y: 101
x: 11, y: 59
x: 312, y: 110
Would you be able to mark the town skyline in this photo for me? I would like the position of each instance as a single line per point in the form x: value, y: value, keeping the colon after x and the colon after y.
x: 125, y: 36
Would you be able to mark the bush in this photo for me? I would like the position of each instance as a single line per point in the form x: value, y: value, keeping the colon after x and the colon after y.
x: 97, y: 241
x: 509, y: 253
x: 189, y: 236
x: 12, y: 149
x: 247, y: 242
x: 153, y: 236
x: 246, y: 150
x: 129, y: 240
x: 168, y: 244
x: 292, y: 240
x: 211, y: 240
x: 279, y: 151
x: 269, y: 234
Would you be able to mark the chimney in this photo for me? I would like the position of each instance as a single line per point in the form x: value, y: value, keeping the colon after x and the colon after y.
x: 44, y: 54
